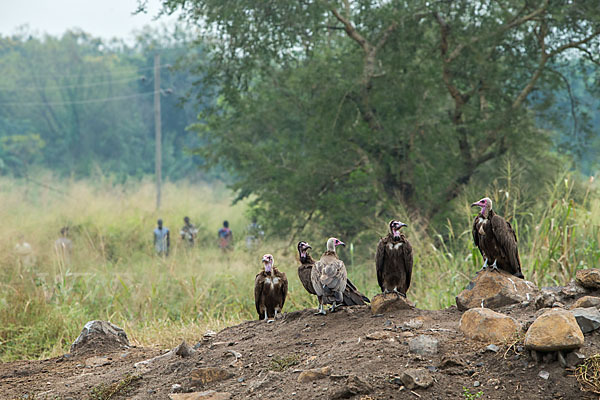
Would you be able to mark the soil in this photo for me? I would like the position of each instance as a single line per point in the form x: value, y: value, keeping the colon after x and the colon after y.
x: 274, y: 354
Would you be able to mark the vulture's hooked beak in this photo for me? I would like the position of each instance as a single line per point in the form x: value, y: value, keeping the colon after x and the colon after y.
x: 342, y: 244
x: 476, y: 204
x: 308, y: 247
x: 402, y: 225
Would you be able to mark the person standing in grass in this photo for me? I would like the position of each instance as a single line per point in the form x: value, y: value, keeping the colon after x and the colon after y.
x: 162, y: 240
x: 188, y: 232
x: 225, y: 237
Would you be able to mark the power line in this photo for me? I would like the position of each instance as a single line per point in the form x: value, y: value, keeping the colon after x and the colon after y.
x: 92, y: 84
x: 87, y: 101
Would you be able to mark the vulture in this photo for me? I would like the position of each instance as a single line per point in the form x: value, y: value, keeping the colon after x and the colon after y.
x: 352, y: 297
x: 394, y: 261
x: 496, y: 240
x: 270, y: 290
x: 329, y: 277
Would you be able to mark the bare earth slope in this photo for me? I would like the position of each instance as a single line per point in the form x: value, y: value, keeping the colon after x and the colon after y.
x: 272, y: 356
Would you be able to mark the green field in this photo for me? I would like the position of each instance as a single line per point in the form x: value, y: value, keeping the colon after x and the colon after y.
x: 114, y: 275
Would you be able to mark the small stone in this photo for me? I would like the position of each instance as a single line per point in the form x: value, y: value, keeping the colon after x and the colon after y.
x: 544, y: 375
x: 96, y: 361
x: 176, y: 388
x: 208, y: 395
x: 352, y: 387
x: 385, y: 303
x: 423, y: 345
x: 476, y: 384
x: 493, y: 348
x: 413, y: 324
x: 452, y: 361
x: 556, y: 329
x: 203, y: 376
x: 574, y: 359
x: 240, y: 380
x: 588, y: 278
x: 416, y: 378
x: 380, y: 335
x: 184, y: 350
x: 588, y: 319
x: 387, y: 323
x: 313, y: 374
x: 586, y: 301
x: 488, y: 325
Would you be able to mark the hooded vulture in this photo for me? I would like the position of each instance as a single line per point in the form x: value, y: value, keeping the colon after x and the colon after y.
x: 270, y: 290
x: 352, y: 297
x: 394, y: 261
x: 329, y: 277
x: 496, y: 240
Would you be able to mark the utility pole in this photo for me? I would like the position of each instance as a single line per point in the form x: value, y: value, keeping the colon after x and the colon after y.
x: 157, y: 129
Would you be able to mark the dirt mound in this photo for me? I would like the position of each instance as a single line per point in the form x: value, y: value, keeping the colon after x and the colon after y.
x: 351, y: 353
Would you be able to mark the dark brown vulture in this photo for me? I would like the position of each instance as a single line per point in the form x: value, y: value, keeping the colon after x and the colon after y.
x: 496, y: 240
x: 394, y: 261
x: 329, y: 277
x: 270, y: 290
x: 352, y: 297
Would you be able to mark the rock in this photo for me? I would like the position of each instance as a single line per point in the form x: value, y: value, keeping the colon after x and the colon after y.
x: 493, y: 348
x: 423, y: 345
x: 588, y: 278
x: 208, y: 395
x: 488, y: 326
x: 380, y: 335
x: 476, y: 384
x: 452, y: 361
x: 152, y: 362
x: 100, y: 333
x: 556, y: 329
x: 416, y: 323
x: 586, y: 302
x: 416, y: 378
x: 544, y: 375
x: 352, y: 387
x: 183, y: 350
x: 203, y: 376
x: 572, y: 289
x: 385, y: 303
x: 495, y: 289
x: 587, y: 318
x: 270, y: 376
x: 96, y: 361
x: 314, y: 374
x: 574, y: 359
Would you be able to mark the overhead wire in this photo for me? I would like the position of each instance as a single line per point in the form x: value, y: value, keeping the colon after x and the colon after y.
x: 87, y: 101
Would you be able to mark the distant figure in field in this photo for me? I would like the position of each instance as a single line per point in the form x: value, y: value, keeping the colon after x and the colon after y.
x: 255, y: 234
x: 188, y: 232
x: 225, y: 237
x: 63, y: 245
x: 24, y: 252
x: 162, y: 241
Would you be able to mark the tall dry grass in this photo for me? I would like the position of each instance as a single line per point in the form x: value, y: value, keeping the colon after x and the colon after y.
x: 113, y: 273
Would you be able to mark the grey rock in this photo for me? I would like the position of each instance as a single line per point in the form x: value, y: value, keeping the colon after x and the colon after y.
x: 574, y: 359
x: 423, y: 345
x: 492, y: 347
x: 352, y: 387
x: 416, y: 378
x: 476, y: 384
x: 101, y: 331
x: 544, y: 375
x: 588, y: 319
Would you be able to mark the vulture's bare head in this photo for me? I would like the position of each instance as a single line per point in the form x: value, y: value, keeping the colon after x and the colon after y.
x: 485, y: 204
x: 395, y: 227
x: 303, y: 249
x: 332, y: 243
x: 267, y: 261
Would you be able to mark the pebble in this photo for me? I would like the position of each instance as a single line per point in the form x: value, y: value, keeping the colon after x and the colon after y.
x: 476, y: 384
x: 544, y: 375
x: 493, y: 347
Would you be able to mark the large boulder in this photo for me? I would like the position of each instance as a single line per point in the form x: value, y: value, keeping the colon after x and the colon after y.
x: 385, y: 303
x: 588, y: 319
x: 554, y: 330
x: 488, y: 326
x: 100, y: 337
x: 588, y: 278
x: 493, y: 289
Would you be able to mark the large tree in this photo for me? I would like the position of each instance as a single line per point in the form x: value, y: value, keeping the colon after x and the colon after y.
x: 333, y: 110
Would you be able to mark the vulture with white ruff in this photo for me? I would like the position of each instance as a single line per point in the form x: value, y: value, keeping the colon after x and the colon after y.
x: 496, y: 240
x: 394, y: 261
x: 270, y: 290
x: 329, y: 277
x: 352, y: 297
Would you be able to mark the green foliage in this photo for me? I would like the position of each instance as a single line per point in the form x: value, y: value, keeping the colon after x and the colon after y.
x: 471, y: 396
x: 76, y: 104
x: 280, y: 364
x: 333, y: 112
x: 120, y: 388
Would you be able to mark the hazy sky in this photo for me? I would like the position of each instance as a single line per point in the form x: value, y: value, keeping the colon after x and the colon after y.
x: 104, y: 18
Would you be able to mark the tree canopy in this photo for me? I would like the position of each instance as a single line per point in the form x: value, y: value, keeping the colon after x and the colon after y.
x: 333, y: 111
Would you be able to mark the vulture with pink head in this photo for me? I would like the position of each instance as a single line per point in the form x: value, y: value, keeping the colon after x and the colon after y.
x: 496, y: 240
x: 270, y: 290
x: 329, y: 277
x: 351, y: 295
x: 394, y: 261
